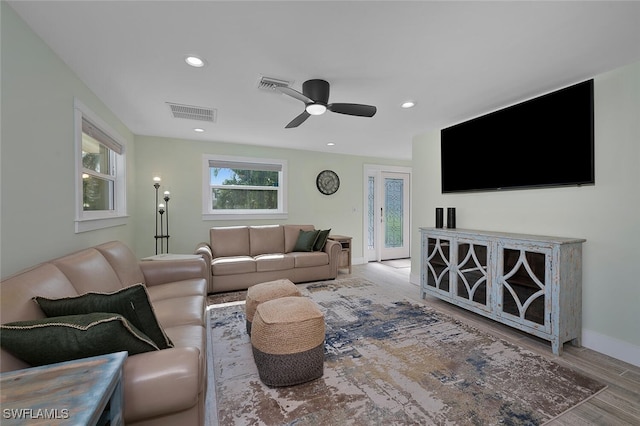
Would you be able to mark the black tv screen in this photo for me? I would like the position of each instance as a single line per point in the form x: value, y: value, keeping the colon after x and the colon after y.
x: 546, y: 141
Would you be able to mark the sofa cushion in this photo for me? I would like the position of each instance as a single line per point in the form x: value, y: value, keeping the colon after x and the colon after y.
x: 19, y: 290
x: 163, y: 383
x: 306, y: 240
x: 321, y: 240
x: 192, y: 336
x: 192, y: 287
x: 181, y: 311
x: 131, y: 302
x: 230, y: 241
x: 274, y: 262
x: 88, y: 270
x: 306, y: 260
x: 266, y: 239
x: 233, y: 265
x: 123, y: 261
x: 58, y: 339
x: 291, y: 233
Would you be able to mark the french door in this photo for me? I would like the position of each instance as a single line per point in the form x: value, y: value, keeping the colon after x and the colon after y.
x: 387, y: 215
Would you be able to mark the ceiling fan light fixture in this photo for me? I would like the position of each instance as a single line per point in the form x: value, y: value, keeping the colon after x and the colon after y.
x: 316, y: 109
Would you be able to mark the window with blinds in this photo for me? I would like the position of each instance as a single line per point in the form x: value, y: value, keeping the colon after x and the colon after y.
x: 240, y: 186
x: 99, y: 170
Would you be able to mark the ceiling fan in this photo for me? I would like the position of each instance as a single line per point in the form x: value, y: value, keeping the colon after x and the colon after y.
x: 315, y: 95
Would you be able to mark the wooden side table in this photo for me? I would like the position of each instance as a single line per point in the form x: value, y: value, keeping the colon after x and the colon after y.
x: 81, y: 392
x: 345, y: 256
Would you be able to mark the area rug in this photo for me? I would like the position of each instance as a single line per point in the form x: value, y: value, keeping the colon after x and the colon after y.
x: 389, y: 361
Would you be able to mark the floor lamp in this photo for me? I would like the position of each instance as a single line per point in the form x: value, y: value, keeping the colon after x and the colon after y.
x: 162, y: 218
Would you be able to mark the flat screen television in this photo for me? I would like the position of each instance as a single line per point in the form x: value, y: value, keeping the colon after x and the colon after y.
x: 543, y: 142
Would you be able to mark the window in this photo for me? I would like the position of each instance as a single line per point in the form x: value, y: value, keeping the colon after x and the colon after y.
x: 247, y: 188
x: 100, y: 173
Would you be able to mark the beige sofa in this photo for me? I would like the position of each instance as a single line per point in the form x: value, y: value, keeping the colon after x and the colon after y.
x: 161, y: 387
x: 241, y: 256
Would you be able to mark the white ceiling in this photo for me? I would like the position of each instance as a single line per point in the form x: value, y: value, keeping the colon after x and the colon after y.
x: 455, y: 59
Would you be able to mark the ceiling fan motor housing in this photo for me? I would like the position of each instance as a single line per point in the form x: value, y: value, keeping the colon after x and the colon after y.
x: 317, y: 90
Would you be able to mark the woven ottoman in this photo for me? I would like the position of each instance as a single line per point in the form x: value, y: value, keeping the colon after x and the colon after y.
x: 288, y: 341
x: 263, y: 292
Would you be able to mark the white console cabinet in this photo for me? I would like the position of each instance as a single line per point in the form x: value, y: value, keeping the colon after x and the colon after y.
x: 529, y: 282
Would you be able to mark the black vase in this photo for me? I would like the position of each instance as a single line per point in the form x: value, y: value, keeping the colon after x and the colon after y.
x: 451, y: 217
x: 439, y: 217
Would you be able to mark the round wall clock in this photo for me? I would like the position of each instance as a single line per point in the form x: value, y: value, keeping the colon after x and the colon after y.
x: 327, y: 182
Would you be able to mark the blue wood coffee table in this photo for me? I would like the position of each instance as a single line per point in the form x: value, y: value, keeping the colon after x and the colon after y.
x: 81, y: 392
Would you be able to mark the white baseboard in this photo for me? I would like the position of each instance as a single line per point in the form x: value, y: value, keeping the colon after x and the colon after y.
x: 619, y: 349
x: 358, y: 261
x: 414, y: 279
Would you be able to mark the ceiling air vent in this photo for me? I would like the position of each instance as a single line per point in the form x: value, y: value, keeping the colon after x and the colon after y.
x: 270, y: 83
x: 191, y: 112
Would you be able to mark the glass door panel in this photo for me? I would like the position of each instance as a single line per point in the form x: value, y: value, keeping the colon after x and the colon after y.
x: 472, y: 273
x: 438, y: 265
x: 395, y: 216
x: 524, y: 284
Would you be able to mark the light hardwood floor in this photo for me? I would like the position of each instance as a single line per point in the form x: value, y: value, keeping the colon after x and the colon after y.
x: 619, y: 404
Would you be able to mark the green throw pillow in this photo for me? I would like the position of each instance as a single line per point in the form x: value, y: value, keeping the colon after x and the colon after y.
x: 58, y: 339
x: 130, y: 302
x: 306, y: 240
x: 321, y: 240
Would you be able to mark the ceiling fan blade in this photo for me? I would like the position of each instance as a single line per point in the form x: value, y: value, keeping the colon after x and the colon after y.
x: 298, y: 120
x: 353, y: 109
x: 294, y: 94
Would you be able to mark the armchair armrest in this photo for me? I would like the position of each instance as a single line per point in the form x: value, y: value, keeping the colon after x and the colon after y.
x: 204, y: 250
x: 333, y: 249
x: 161, y: 382
x: 165, y: 271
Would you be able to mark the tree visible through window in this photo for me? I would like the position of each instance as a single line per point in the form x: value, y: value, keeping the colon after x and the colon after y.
x: 245, y: 186
x: 244, y: 189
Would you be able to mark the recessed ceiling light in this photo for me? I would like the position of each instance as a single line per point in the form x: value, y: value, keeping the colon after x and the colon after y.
x: 198, y: 129
x: 331, y: 144
x: 194, y: 61
x: 408, y: 104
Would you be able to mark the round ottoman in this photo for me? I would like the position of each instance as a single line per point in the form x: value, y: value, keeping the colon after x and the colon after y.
x: 263, y: 292
x: 288, y: 341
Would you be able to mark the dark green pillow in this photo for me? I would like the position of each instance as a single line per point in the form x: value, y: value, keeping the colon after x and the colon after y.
x: 130, y: 302
x: 306, y: 240
x: 58, y: 339
x: 321, y: 240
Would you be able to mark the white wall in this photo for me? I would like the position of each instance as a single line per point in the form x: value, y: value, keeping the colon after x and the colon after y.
x: 607, y: 214
x: 179, y: 163
x: 37, y: 163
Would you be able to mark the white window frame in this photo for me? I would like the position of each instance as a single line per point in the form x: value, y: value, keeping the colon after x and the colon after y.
x: 99, y: 219
x: 208, y: 213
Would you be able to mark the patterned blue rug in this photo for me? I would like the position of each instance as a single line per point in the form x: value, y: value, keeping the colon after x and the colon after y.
x: 391, y: 362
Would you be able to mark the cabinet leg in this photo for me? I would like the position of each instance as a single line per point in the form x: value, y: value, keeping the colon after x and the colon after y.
x: 556, y: 347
